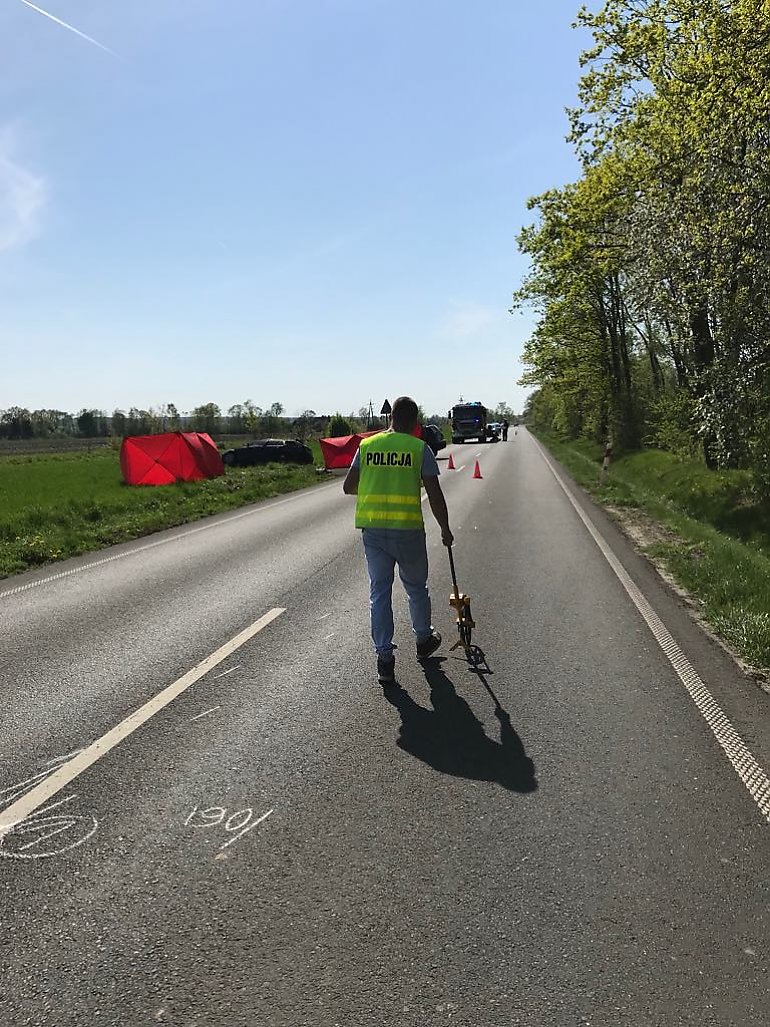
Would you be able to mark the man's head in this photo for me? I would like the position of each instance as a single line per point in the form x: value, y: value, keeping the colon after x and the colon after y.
x: 404, y: 415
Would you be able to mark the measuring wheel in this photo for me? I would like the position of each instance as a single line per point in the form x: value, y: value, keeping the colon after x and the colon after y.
x: 461, y: 604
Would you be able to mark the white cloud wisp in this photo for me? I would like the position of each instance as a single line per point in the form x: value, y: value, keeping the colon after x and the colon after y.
x: 22, y: 197
x: 466, y: 320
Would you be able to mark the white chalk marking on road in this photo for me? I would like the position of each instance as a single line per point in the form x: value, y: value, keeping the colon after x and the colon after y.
x: 18, y: 589
x: 325, y: 616
x: 53, y: 805
x: 226, y: 672
x: 43, y: 828
x: 211, y: 816
x: 330, y: 636
x: 61, y: 759
x: 462, y: 467
x: 246, y: 829
x: 22, y: 785
x: 67, y: 772
x: 42, y: 823
x: 746, y: 767
x: 57, y: 826
x: 9, y: 794
x: 240, y: 821
x: 205, y: 712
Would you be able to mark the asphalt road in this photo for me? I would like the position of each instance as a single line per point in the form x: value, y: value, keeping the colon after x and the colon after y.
x: 560, y: 841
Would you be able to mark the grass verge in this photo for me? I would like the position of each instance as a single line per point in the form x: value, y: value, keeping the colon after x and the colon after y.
x: 54, y: 507
x: 716, y: 542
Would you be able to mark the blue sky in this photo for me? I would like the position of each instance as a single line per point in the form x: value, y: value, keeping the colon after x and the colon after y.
x: 306, y: 201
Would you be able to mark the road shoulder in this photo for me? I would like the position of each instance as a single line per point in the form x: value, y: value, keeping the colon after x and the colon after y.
x: 719, y: 579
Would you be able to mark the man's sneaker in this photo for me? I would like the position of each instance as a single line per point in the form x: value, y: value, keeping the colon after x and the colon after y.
x: 386, y: 669
x: 428, y: 646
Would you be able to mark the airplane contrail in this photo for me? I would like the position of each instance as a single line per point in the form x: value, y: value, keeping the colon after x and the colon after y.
x: 71, y: 28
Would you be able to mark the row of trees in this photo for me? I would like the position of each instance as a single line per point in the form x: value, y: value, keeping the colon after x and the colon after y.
x: 242, y: 418
x: 650, y: 273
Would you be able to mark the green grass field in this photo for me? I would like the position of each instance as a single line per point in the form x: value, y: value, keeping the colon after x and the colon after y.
x: 53, y: 507
x: 719, y: 549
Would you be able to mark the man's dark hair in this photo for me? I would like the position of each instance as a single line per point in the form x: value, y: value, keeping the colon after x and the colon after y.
x: 405, y: 414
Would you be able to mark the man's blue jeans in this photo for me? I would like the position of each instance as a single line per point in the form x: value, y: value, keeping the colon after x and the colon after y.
x: 384, y: 549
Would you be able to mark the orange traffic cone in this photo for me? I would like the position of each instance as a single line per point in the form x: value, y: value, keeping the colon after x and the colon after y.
x: 451, y: 465
x: 477, y: 470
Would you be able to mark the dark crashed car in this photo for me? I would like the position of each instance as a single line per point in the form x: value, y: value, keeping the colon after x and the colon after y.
x: 268, y: 451
x: 433, y: 437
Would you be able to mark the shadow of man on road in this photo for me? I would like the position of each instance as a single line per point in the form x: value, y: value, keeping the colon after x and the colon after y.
x: 452, y: 739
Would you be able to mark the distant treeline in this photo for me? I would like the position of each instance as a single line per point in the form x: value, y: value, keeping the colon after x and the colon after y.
x: 240, y: 419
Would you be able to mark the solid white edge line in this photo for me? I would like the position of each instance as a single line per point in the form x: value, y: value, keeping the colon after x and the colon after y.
x: 748, y: 770
x: 65, y: 774
x: 259, y: 507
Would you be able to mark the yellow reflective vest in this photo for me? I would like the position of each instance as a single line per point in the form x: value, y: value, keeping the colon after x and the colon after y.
x: 390, y: 476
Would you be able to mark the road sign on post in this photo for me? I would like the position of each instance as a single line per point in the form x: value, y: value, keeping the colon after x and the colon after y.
x: 386, y: 411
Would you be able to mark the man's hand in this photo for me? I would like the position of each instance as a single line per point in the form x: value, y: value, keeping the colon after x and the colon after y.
x: 447, y: 537
x: 350, y: 484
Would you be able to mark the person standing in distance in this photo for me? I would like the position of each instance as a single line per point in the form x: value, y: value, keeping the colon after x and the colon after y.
x: 386, y: 476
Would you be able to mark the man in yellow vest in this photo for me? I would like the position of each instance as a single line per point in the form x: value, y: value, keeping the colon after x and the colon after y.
x: 386, y: 476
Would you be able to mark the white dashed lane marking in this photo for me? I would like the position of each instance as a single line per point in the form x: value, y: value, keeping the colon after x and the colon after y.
x: 85, y: 758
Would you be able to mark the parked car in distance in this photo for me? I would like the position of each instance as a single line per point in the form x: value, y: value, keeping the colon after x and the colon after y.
x: 433, y: 437
x: 495, y: 428
x: 268, y: 451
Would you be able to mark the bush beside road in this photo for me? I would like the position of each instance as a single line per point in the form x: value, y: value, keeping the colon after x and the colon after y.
x: 708, y: 530
x: 55, y: 507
